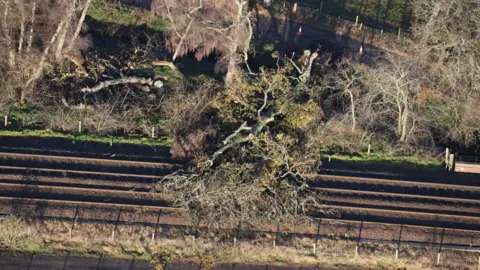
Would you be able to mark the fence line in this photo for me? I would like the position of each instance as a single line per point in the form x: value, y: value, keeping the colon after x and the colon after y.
x: 282, y: 236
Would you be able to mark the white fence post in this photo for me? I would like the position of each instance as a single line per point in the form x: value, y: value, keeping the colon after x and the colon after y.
x: 6, y: 120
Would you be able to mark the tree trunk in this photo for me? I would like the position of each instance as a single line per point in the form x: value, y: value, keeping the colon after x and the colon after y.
x: 403, y: 134
x: 32, y: 22
x: 233, y: 57
x: 21, y: 7
x: 63, y: 35
x: 352, y: 105
x: 232, y: 62
x: 79, y: 26
x: 8, y: 38
x: 39, y: 69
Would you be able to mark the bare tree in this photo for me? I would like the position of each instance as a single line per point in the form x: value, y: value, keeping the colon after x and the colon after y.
x: 206, y: 27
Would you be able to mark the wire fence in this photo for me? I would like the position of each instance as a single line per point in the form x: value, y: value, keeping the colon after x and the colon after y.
x: 172, y: 223
x: 386, y: 15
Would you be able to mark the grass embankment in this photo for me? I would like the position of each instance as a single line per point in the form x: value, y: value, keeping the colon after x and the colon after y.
x: 378, y: 159
x: 91, y: 240
x: 135, y: 140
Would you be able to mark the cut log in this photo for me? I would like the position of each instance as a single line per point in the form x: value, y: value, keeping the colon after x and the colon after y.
x: 164, y: 64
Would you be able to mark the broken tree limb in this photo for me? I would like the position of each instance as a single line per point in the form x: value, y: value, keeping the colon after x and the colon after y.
x: 125, y: 80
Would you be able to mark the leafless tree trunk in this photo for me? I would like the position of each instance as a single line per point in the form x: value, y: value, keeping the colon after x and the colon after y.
x: 65, y: 28
x: 79, y: 25
x: 21, y: 7
x: 8, y: 38
x: 352, y: 108
x: 233, y: 57
x: 38, y: 71
x: 32, y: 24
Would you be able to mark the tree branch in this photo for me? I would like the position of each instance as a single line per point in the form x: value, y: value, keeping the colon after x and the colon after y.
x: 125, y: 80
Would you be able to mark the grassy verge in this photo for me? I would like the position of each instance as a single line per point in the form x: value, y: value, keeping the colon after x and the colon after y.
x: 409, y: 162
x: 127, y: 16
x: 91, y: 240
x: 136, y: 140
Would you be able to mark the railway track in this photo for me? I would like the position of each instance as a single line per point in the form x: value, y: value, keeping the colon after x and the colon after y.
x: 115, y: 182
x: 395, y: 201
x: 398, y: 186
x: 112, y: 166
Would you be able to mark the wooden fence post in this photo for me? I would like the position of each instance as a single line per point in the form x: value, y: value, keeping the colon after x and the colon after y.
x: 74, y: 222
x: 156, y: 226
x: 276, y: 235
x: 399, y: 32
x: 447, y: 154
x: 116, y: 224
x: 399, y: 242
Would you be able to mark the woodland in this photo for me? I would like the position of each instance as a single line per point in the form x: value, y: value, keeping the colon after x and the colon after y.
x: 251, y: 122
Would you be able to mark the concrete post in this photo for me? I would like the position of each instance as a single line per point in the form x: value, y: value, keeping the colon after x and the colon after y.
x: 79, y: 126
x: 6, y: 120
x: 369, y: 148
x: 438, y: 258
x: 396, y: 254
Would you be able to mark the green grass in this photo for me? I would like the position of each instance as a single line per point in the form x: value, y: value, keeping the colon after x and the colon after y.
x: 423, y: 162
x: 111, y: 13
x: 136, y: 140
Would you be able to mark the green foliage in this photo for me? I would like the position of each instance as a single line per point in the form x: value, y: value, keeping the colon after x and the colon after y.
x: 26, y: 113
x: 110, y: 13
x: 301, y: 116
x: 171, y: 75
x: 137, y: 140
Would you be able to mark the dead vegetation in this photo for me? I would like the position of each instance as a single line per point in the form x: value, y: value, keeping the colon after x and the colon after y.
x: 171, y: 245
